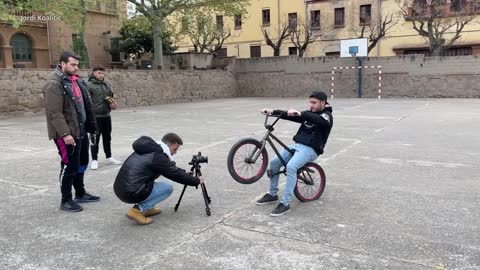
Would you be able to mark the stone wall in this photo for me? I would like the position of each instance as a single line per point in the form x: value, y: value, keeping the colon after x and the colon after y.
x: 404, y: 76
x: 407, y: 76
x: 21, y: 90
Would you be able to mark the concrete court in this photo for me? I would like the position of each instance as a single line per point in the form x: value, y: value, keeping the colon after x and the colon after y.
x: 402, y: 193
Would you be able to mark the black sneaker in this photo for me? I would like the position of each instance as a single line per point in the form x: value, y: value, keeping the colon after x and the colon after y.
x: 70, y: 206
x: 280, y: 210
x: 266, y: 199
x: 86, y: 198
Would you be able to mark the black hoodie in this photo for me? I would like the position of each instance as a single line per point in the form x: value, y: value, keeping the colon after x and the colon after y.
x: 315, y: 127
x: 136, y: 177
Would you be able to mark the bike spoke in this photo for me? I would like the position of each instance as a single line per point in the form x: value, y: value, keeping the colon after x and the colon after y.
x: 244, y: 169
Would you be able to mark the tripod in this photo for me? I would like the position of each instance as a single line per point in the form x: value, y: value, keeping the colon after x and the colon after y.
x: 196, y: 169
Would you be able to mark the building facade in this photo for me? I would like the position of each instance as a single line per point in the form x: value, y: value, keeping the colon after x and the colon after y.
x: 336, y: 20
x: 40, y: 39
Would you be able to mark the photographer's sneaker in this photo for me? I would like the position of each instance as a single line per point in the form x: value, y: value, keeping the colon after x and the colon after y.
x: 280, y: 210
x: 267, y: 199
x: 94, y: 165
x: 113, y: 161
x: 86, y: 198
x: 70, y: 206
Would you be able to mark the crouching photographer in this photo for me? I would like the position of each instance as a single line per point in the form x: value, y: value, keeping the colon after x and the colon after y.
x: 135, y: 182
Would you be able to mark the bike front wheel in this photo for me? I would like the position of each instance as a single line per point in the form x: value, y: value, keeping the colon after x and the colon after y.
x: 311, y: 182
x: 240, y: 161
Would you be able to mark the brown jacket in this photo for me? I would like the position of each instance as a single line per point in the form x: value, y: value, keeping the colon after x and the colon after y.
x: 61, y: 112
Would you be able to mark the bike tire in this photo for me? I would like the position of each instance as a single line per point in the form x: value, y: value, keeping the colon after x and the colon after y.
x: 313, y: 188
x: 236, y: 161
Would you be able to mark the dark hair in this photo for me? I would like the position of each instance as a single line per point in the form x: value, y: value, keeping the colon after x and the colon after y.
x: 98, y: 67
x: 171, y: 138
x: 65, y: 55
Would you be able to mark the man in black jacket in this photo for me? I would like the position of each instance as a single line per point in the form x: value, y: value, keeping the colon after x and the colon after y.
x: 310, y: 140
x: 135, y: 182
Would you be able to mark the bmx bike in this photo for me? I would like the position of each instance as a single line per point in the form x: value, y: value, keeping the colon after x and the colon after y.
x: 248, y: 160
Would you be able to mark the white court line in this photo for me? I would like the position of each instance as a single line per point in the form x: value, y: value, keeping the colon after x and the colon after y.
x: 22, y: 185
x: 18, y: 149
x: 241, y: 116
x: 28, y: 154
x: 363, y: 117
x: 238, y: 107
x: 425, y: 163
x: 342, y: 151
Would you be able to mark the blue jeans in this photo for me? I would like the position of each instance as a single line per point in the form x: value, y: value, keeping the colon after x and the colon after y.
x: 302, y: 155
x: 160, y: 191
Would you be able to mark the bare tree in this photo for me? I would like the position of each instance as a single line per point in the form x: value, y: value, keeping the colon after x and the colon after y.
x: 435, y: 20
x: 376, y: 30
x: 274, y: 37
x: 204, y: 32
x: 158, y: 10
x: 306, y: 33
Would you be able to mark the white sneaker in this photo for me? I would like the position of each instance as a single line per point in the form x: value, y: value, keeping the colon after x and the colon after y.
x: 94, y: 165
x: 113, y: 161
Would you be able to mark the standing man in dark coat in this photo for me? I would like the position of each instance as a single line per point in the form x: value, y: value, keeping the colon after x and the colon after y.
x: 70, y: 117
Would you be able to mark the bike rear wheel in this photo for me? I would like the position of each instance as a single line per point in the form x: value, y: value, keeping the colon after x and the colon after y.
x: 311, y: 182
x: 241, y: 168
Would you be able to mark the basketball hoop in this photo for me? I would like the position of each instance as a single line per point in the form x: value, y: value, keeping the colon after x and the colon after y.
x: 353, y: 48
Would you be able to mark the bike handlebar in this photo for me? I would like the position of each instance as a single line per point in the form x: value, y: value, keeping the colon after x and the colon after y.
x: 267, y: 126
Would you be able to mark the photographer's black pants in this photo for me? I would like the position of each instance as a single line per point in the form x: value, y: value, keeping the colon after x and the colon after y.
x: 74, y: 161
x: 105, y: 131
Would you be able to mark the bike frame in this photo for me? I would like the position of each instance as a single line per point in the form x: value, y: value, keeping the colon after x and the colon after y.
x: 267, y: 138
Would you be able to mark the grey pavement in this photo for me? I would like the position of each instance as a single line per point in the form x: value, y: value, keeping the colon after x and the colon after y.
x: 403, y: 192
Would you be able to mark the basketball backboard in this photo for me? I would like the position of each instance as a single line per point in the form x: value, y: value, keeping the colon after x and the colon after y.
x: 353, y: 47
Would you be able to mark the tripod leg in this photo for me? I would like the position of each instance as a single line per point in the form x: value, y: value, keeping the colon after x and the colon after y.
x: 179, y: 199
x: 206, y: 194
x: 206, y: 199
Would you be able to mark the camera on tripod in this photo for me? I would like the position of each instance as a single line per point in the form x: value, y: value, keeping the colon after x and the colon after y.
x: 195, y: 162
x: 197, y: 159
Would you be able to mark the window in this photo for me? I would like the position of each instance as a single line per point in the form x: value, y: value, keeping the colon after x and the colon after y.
x: 457, y: 5
x: 292, y: 51
x: 450, y: 52
x: 93, y: 5
x: 111, y: 6
x: 21, y: 48
x: 115, y: 49
x: 266, y: 17
x: 79, y: 49
x: 219, y: 22
x: 459, y: 51
x: 315, y: 18
x: 222, y: 52
x: 419, y: 7
x: 238, y: 21
x: 255, y: 51
x: 365, y: 14
x: 333, y: 54
x: 292, y: 21
x: 476, y: 6
x: 339, y: 17
x: 184, y: 25
x: 201, y: 24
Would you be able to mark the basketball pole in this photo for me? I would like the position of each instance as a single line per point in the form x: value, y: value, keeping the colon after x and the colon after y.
x: 359, y: 76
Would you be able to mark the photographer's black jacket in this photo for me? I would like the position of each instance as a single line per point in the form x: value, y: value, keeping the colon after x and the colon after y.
x: 134, y: 181
x: 315, y: 127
